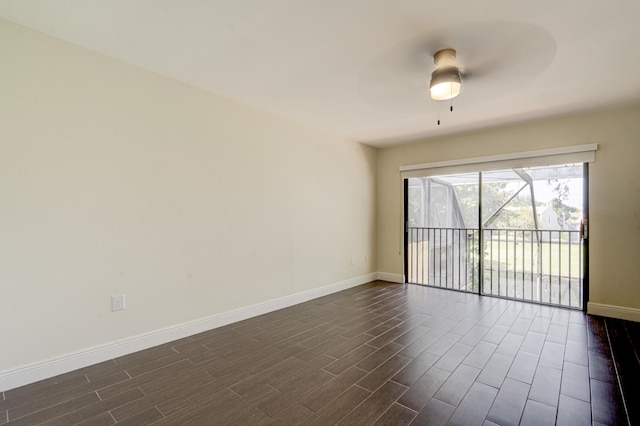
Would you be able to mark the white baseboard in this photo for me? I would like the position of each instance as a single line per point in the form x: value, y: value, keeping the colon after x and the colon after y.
x: 31, y: 373
x: 394, y: 278
x: 612, y: 311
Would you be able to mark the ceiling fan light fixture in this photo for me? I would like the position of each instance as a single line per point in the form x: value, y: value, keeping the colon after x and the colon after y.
x: 445, y: 84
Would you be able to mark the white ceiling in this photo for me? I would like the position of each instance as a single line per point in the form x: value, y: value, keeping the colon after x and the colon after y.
x: 359, y: 69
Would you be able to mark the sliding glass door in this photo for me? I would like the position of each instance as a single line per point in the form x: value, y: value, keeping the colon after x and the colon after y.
x: 513, y: 233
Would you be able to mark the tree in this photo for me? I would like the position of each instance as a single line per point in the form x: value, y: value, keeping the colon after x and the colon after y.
x: 562, y: 191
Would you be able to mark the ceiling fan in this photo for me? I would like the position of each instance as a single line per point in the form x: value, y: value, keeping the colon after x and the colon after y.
x: 492, y: 59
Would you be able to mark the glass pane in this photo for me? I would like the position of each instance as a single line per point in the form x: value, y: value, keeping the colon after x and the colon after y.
x: 531, y: 243
x: 449, y: 201
x: 443, y: 234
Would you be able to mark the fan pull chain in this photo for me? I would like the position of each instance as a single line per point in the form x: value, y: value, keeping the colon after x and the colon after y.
x: 451, y: 99
x: 438, y: 118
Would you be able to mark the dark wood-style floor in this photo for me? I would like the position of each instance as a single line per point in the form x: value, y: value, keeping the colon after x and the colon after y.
x: 384, y: 354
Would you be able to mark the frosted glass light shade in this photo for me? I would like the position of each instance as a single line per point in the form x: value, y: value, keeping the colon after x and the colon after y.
x: 445, y: 84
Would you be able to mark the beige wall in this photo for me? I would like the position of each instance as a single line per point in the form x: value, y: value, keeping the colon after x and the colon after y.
x: 116, y: 180
x: 614, y: 184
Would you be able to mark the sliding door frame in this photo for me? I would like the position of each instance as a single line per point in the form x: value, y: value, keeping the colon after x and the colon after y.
x: 584, y: 242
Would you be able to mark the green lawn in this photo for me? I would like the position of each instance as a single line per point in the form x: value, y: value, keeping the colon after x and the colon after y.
x: 557, y: 258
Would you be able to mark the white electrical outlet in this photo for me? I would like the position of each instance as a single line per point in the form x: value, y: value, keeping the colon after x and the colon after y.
x: 117, y: 303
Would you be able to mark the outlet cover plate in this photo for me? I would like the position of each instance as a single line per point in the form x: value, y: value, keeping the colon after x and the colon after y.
x: 117, y: 303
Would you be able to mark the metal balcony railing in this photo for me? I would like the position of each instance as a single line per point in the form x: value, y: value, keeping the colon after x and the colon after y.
x: 524, y: 264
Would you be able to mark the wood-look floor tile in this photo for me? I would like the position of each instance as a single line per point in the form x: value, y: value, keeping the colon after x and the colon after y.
x: 376, y: 353
x: 415, y: 369
x: 383, y: 328
x: 441, y: 328
x: 420, y: 392
x: 496, y: 333
x: 480, y: 355
x: 173, y: 379
x: 322, y: 395
x: 435, y: 413
x: 474, y: 406
x: 266, y: 360
x: 339, y: 407
x: 221, y: 408
x: 496, y: 369
x: 529, y: 311
x: 321, y: 348
x: 463, y: 327
x: 523, y: 367
x: 576, y: 352
x: 520, y: 326
x: 91, y: 410
x: 120, y: 387
x: 552, y: 355
x: 280, y: 370
x: 54, y: 411
x: 104, y: 419
x: 281, y: 345
x: 607, y: 406
x: 374, y: 360
x: 601, y: 367
x: 179, y: 391
x: 324, y: 337
x: 341, y: 350
x: 577, y: 332
x: 560, y: 316
x: 350, y: 359
x: 575, y: 381
x: 509, y: 404
x: 388, y: 336
x: 301, y: 385
x: 383, y: 373
x: 557, y: 333
x: 508, y: 317
x: 573, y: 411
x: 375, y: 405
x: 61, y: 396
x: 453, y: 357
x: 626, y: 360
x: 42, y: 389
x: 276, y: 403
x: 443, y: 344
x: 102, y: 370
x: 538, y: 414
x: 546, y: 386
x: 457, y: 385
x: 200, y: 395
x: 510, y: 344
x: 419, y: 345
x: 533, y: 343
x: 361, y: 329
x: 540, y: 324
x: 473, y: 336
x: 293, y: 415
x: 396, y: 415
x: 156, y: 364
